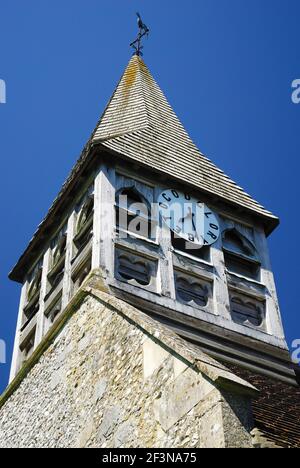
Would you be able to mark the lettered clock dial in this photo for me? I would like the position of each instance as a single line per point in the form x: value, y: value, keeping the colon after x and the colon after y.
x: 188, y: 217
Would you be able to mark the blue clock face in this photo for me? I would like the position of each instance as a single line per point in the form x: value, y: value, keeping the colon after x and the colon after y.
x: 188, y: 217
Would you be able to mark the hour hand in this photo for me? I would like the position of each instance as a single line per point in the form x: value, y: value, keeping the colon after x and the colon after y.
x: 193, y: 223
x: 195, y: 229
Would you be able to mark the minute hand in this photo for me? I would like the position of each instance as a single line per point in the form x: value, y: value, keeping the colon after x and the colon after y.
x: 194, y: 227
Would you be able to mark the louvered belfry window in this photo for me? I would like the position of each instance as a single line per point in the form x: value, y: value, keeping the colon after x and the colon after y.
x: 240, y: 255
x: 33, y: 295
x: 27, y: 347
x: 180, y: 245
x: 58, y: 256
x: 81, y: 274
x: 81, y: 262
x: 84, y: 224
x: 132, y: 213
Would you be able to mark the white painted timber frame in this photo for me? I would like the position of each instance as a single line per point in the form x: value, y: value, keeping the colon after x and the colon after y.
x: 16, y: 352
x: 107, y: 183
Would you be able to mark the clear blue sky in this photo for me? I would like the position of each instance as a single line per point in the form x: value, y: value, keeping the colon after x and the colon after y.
x: 227, y: 69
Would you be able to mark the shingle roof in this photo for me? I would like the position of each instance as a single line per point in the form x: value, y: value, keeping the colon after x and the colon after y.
x: 276, y: 410
x: 140, y: 123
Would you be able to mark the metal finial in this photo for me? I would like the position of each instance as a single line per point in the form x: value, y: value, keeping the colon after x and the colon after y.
x: 143, y: 31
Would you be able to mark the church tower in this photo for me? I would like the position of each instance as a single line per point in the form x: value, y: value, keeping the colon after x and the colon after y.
x: 167, y: 233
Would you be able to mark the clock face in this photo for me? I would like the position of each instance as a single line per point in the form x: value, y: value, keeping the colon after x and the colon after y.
x: 188, y: 217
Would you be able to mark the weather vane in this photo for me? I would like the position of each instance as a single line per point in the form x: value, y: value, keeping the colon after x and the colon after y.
x: 143, y: 31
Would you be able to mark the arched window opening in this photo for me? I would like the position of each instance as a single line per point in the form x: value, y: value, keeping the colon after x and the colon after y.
x: 27, y: 346
x: 84, y: 224
x: 233, y: 241
x: 189, y: 248
x: 240, y: 255
x: 80, y: 275
x: 58, y: 256
x: 33, y: 295
x: 60, y: 248
x: 132, y: 214
x: 35, y: 282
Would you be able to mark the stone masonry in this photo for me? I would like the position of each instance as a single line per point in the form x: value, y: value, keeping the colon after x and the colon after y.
x: 110, y: 376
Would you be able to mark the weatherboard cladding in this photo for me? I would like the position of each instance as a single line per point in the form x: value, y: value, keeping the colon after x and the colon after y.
x: 140, y: 125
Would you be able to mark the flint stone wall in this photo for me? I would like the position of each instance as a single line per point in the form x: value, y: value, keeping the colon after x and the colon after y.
x: 105, y: 382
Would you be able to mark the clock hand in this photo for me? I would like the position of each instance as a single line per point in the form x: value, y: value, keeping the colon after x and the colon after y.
x: 193, y: 223
x: 195, y: 229
x: 189, y: 215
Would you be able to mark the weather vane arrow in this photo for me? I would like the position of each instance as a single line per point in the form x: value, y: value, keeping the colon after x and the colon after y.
x: 143, y: 31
